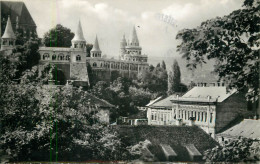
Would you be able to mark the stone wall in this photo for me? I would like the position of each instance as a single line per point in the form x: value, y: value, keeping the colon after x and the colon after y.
x: 230, y: 109
x: 78, y: 71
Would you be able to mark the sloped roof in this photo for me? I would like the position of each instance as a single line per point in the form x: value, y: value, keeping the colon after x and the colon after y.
x: 134, y: 38
x: 154, y: 101
x: 17, y: 9
x: 175, y: 136
x: 79, y: 34
x: 201, y: 94
x: 9, y: 33
x: 96, y: 45
x: 247, y: 128
x: 164, y: 102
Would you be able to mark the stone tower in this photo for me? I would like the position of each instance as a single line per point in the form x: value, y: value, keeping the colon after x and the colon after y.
x: 95, y: 51
x: 8, y: 39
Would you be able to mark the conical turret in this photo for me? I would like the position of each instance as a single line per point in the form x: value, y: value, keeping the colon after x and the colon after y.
x: 134, y: 39
x: 96, y: 45
x: 9, y: 33
x: 123, y: 42
x: 8, y: 39
x: 95, y: 51
x: 79, y: 34
x: 78, y: 41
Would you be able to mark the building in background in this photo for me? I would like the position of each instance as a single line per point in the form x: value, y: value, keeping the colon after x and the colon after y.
x: 72, y: 62
x: 211, y: 108
x: 20, y: 17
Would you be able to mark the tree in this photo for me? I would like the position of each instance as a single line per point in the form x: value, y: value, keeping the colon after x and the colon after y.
x: 174, y: 79
x: 231, y: 40
x: 163, y: 65
x: 236, y: 150
x: 58, y: 36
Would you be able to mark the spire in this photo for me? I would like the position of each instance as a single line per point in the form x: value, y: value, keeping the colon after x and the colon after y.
x: 96, y: 45
x: 123, y: 42
x: 79, y: 34
x: 134, y: 40
x: 9, y: 33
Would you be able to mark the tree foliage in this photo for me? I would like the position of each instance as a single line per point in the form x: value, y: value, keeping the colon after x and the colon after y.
x: 174, y: 79
x: 238, y: 150
x: 59, y: 36
x: 233, y: 41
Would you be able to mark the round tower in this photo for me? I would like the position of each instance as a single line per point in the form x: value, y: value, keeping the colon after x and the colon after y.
x: 8, y: 39
x: 95, y: 51
x: 78, y: 41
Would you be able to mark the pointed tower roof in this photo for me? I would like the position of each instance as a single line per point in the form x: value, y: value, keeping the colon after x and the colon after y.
x: 123, y: 39
x: 134, y: 39
x: 79, y: 34
x: 9, y: 33
x: 96, y: 45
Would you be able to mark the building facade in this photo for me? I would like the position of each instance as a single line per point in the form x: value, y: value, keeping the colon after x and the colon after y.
x: 73, y: 61
x: 210, y: 108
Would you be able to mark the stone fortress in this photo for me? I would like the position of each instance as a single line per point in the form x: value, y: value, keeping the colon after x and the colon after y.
x: 72, y: 63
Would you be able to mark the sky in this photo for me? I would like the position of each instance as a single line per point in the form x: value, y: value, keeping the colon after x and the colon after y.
x: 110, y: 19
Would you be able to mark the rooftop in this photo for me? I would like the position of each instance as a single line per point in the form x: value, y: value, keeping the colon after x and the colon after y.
x: 176, y: 136
x: 247, y: 128
x: 206, y: 94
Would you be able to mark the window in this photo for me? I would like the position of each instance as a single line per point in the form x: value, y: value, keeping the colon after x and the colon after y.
x: 78, y: 58
x: 45, y: 56
x: 54, y: 57
x: 152, y: 116
x: 198, y: 116
x: 60, y: 57
x: 101, y: 65
x: 205, y: 117
x: 67, y: 57
x: 202, y: 114
x: 94, y: 64
x: 211, y: 116
x: 195, y: 115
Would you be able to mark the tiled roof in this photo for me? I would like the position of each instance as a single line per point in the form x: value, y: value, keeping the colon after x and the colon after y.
x: 17, y: 9
x: 247, y: 128
x: 201, y: 94
x: 176, y: 136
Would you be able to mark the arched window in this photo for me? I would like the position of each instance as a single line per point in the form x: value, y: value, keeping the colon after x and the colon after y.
x: 78, y: 58
x: 94, y: 64
x: 67, y: 57
x: 45, y: 56
x: 60, y: 57
x: 53, y: 57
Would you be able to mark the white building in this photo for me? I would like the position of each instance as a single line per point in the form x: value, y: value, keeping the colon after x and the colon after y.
x: 210, y: 108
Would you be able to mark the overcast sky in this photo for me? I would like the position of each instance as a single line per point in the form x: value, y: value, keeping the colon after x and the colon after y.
x: 110, y: 19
